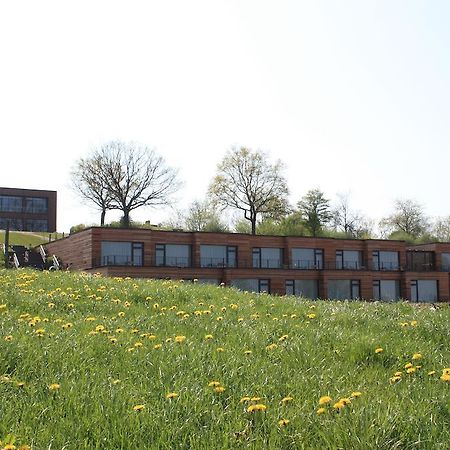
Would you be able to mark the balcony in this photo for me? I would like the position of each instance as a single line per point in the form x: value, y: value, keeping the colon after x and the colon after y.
x: 345, y: 265
x: 118, y: 260
x: 306, y: 264
x: 216, y: 262
x: 173, y: 261
x: 387, y: 265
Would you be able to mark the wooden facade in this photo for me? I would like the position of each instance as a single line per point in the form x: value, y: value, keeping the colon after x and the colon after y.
x: 84, y: 251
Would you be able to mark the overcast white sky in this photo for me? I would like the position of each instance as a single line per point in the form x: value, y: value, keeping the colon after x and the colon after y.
x: 353, y: 96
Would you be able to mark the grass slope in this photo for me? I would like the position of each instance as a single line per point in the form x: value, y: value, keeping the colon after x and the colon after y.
x: 29, y: 239
x: 89, y: 363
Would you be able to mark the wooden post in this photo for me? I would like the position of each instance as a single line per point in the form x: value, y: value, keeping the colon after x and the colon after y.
x: 7, y: 245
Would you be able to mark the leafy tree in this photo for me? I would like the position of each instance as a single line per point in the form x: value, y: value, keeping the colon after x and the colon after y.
x: 246, y: 181
x: 201, y: 216
x: 441, y: 229
x: 408, y: 218
x: 131, y: 176
x: 315, y: 211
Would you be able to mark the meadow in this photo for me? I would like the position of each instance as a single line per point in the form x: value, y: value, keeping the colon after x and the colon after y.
x: 94, y: 363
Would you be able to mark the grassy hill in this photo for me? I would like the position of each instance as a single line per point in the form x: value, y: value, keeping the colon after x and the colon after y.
x: 27, y: 238
x: 89, y: 362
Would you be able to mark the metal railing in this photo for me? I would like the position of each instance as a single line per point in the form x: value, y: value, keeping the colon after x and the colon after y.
x: 266, y: 263
x: 386, y: 266
x: 118, y: 260
x: 173, y: 261
x: 216, y: 262
x: 306, y: 264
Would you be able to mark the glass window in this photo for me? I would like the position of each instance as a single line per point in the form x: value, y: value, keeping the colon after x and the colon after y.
x: 252, y: 285
x: 302, y: 288
x: 348, y: 259
x: 445, y: 262
x: 36, y: 205
x: 218, y: 256
x: 173, y: 255
x: 14, y: 224
x: 343, y: 289
x: 424, y: 290
x: 307, y: 258
x: 386, y: 290
x: 383, y: 260
x: 10, y: 203
x: 36, y: 225
x: 122, y: 253
x: 265, y: 257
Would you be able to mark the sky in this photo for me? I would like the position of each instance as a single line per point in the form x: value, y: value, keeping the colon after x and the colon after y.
x: 353, y: 97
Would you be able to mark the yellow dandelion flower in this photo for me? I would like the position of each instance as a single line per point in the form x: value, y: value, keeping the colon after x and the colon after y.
x: 257, y: 407
x: 414, y: 323
x: 321, y: 411
x: 345, y: 401
x: 255, y: 399
x: 248, y: 352
x: 324, y: 400
x: 138, y: 407
x: 244, y: 399
x: 432, y: 372
x: 220, y: 349
x: 417, y: 356
x: 114, y: 382
x: 311, y: 316
x: 287, y: 399
x: 445, y: 374
x: 214, y: 383
x: 283, y: 338
x: 9, y: 447
x: 219, y: 389
x: 378, y: 350
x: 54, y: 387
x: 271, y: 347
x: 394, y: 379
x: 208, y: 336
x: 20, y: 384
x: 356, y: 394
x: 8, y: 338
x: 408, y: 365
x: 338, y: 405
x: 397, y: 374
x: 171, y: 395
x: 138, y: 344
x: 157, y: 346
x: 180, y: 339
x: 283, y: 422
x: 121, y: 314
x: 220, y: 318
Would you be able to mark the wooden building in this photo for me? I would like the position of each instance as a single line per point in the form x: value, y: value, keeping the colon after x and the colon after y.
x: 369, y: 269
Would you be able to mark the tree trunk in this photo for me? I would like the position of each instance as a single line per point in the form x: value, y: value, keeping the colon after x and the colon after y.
x: 253, y: 221
x: 102, y: 218
x: 126, y: 218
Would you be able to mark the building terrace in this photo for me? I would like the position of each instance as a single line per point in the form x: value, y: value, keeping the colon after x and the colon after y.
x: 311, y: 267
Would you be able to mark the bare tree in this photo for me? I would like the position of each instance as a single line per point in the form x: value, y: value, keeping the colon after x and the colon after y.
x: 441, y: 229
x: 87, y: 183
x: 133, y: 176
x: 246, y: 181
x: 350, y: 222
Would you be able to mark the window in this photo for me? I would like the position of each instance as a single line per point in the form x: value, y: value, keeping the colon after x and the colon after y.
x: 218, y: 256
x: 14, y: 224
x: 36, y: 225
x: 9, y: 203
x: 420, y: 261
x: 264, y: 257
x: 307, y: 258
x: 348, y: 259
x: 36, y: 205
x: 173, y: 255
x: 302, y: 288
x: 386, y: 290
x: 382, y: 260
x: 424, y: 290
x: 122, y: 253
x: 445, y: 262
x: 252, y: 285
x: 343, y: 289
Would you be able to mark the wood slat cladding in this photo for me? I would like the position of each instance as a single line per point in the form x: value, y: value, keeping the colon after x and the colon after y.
x: 82, y: 251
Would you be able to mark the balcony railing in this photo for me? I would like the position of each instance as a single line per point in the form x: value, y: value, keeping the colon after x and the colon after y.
x: 445, y: 268
x: 386, y: 266
x: 119, y: 260
x: 173, y: 261
x: 306, y: 264
x: 345, y: 265
x: 216, y: 262
x: 265, y: 263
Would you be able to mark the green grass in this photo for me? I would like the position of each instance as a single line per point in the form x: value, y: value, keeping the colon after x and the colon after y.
x: 103, y: 374
x: 29, y: 239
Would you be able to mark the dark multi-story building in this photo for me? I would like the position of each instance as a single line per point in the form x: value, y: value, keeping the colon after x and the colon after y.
x: 28, y: 209
x: 369, y: 269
